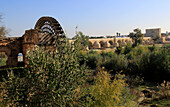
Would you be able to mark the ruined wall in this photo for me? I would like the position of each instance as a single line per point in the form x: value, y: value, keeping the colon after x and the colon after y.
x: 30, y: 39
x: 11, y: 47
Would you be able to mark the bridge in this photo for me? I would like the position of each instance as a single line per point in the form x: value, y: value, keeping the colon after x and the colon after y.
x: 113, y: 42
x: 47, y: 33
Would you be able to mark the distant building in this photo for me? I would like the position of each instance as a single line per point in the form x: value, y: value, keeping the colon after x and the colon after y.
x: 154, y: 33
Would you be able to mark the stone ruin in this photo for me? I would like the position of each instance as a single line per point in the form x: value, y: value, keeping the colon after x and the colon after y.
x: 46, y: 32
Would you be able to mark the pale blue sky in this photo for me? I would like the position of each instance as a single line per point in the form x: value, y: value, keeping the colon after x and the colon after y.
x: 93, y: 17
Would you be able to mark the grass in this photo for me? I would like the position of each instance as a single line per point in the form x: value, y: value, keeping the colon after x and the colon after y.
x: 161, y: 103
x: 105, y: 49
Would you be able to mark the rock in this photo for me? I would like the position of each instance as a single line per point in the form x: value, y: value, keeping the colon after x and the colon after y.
x: 148, y: 93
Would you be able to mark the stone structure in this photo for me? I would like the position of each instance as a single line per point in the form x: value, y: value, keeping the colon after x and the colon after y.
x: 113, y: 42
x: 47, y: 32
x: 154, y: 33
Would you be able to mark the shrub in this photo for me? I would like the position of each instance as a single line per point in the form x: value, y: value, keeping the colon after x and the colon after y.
x: 156, y: 65
x: 139, y: 50
x: 150, y: 65
x: 116, y: 63
x: 51, y: 79
x: 128, y: 48
x: 119, y: 50
x: 94, y: 60
x: 110, y: 93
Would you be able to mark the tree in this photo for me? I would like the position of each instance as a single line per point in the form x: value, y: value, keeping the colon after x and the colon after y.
x: 156, y: 40
x: 84, y: 40
x: 137, y: 36
x: 3, y: 30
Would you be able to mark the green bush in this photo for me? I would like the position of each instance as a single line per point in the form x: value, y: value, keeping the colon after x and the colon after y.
x: 116, y: 63
x: 156, y: 65
x: 152, y: 65
x: 94, y: 60
x: 119, y: 50
x: 128, y: 48
x: 50, y: 79
x: 110, y: 93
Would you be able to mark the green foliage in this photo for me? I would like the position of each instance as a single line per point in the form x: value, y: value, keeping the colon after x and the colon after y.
x: 51, y: 79
x: 128, y: 48
x: 160, y: 103
x: 152, y: 65
x: 156, y: 39
x: 84, y: 40
x: 153, y: 48
x: 137, y: 52
x: 149, y: 62
x: 94, y: 60
x: 110, y: 93
x: 137, y: 36
x: 119, y: 50
x: 156, y: 64
x: 3, y: 61
x: 115, y: 63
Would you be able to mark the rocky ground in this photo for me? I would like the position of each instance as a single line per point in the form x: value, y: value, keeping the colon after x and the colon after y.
x: 153, y: 96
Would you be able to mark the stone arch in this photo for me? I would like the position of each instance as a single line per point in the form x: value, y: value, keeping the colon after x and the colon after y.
x: 126, y: 41
x: 20, y: 57
x: 96, y: 45
x: 111, y: 42
x: 119, y: 42
x: 123, y: 40
x: 123, y: 43
x: 7, y: 51
x: 102, y: 45
x: 106, y: 44
x: 146, y: 42
x: 130, y: 41
x: 90, y: 45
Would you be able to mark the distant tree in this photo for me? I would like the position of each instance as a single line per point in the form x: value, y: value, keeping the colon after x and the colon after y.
x: 156, y: 40
x: 163, y: 34
x: 84, y: 40
x: 137, y: 36
x: 117, y: 34
x: 3, y: 30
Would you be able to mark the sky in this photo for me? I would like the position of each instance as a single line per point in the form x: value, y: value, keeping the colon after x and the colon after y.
x: 93, y: 17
